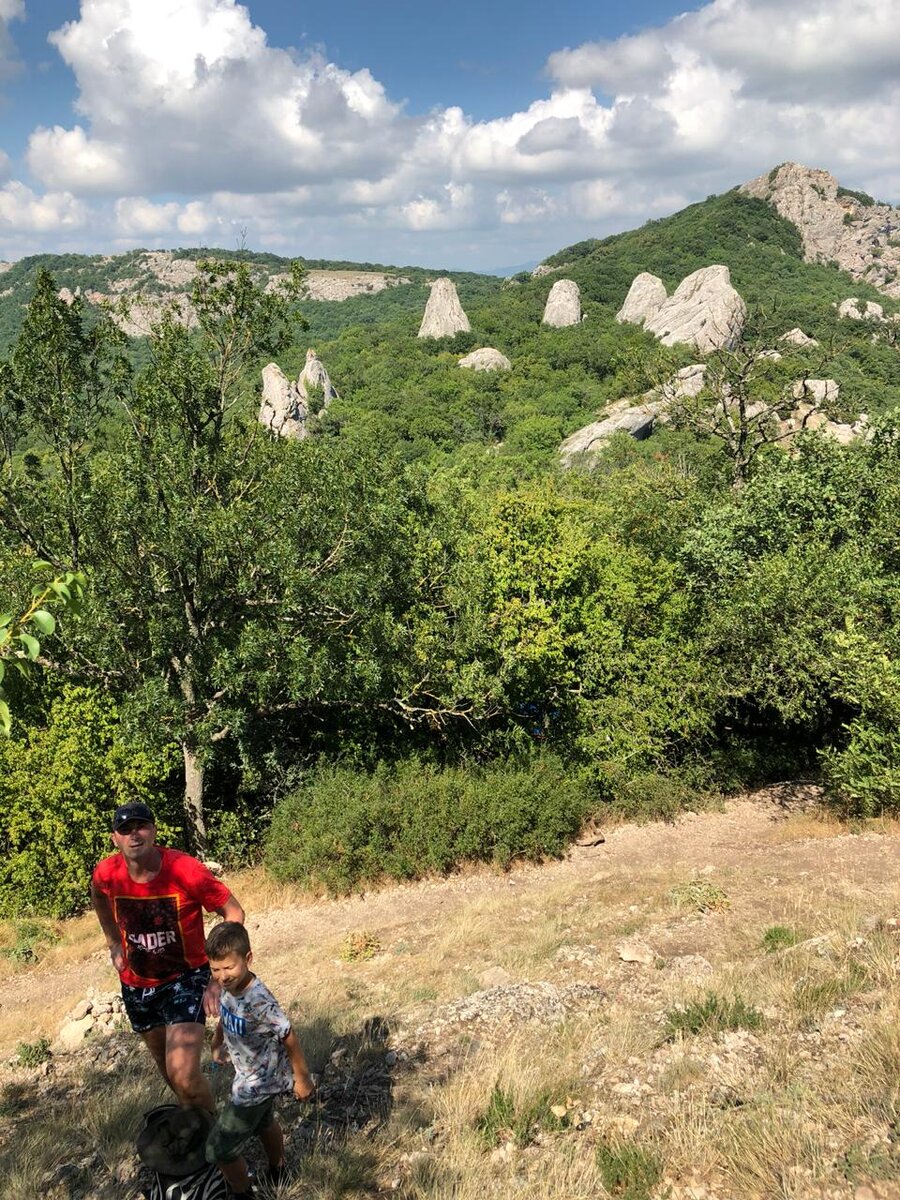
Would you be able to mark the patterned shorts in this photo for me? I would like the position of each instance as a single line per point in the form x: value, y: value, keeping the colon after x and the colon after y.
x: 180, y: 1001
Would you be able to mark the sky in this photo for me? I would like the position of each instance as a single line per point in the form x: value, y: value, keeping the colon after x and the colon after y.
x: 481, y: 135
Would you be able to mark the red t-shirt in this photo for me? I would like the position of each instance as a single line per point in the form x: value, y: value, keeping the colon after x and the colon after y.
x: 161, y: 922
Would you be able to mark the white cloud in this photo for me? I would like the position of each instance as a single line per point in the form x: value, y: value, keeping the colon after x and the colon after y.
x: 22, y: 210
x: 10, y: 10
x: 191, y: 126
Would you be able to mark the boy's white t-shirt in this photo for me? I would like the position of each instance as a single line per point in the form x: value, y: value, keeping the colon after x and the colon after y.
x: 255, y: 1027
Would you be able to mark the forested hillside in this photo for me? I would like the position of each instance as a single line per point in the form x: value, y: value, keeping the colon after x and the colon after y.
x: 411, y: 635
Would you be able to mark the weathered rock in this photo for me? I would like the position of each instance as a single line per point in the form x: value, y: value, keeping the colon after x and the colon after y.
x: 636, y: 950
x: 856, y: 310
x: 819, y: 391
x: 542, y: 269
x: 797, y: 337
x: 645, y: 298
x: 314, y: 378
x: 835, y: 225
x: 494, y: 977
x: 563, y: 305
x: 637, y: 420
x: 486, y: 359
x: 444, y: 314
x: 286, y: 406
x: 704, y: 311
x: 689, y: 381
x: 282, y: 410
x: 67, y: 295
x: 73, y: 1033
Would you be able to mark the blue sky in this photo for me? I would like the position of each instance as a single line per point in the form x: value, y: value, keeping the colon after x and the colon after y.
x: 465, y: 134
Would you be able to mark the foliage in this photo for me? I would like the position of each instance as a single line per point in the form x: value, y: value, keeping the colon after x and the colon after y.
x: 629, y: 1171
x: 779, y: 937
x: 32, y: 1054
x: 701, y: 895
x: 58, y: 788
x: 360, y: 944
x: 713, y: 1014
x: 30, y: 939
x: 346, y: 828
x: 507, y: 1119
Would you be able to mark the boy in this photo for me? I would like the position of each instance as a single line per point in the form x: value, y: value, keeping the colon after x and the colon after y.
x: 267, y: 1058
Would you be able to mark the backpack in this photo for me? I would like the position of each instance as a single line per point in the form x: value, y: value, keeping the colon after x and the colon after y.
x: 172, y: 1144
x: 206, y: 1184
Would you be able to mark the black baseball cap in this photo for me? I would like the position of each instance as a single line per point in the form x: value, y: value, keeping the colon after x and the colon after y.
x: 131, y: 812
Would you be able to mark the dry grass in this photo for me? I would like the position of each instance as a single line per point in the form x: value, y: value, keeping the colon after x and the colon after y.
x: 802, y: 1107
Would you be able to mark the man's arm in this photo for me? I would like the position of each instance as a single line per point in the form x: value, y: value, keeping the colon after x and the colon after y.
x: 219, y: 1053
x: 231, y: 910
x: 103, y: 909
x: 304, y: 1088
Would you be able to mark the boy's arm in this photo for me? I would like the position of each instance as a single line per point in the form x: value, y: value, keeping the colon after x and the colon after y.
x: 304, y: 1088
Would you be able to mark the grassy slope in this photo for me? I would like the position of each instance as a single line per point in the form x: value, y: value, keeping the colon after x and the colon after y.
x: 771, y: 915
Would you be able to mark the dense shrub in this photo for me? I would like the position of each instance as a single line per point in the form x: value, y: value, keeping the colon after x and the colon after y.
x: 347, y: 828
x: 58, y: 789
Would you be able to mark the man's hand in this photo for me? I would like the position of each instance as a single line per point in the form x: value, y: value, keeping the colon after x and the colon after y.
x: 304, y: 1088
x: 211, y: 999
x: 117, y: 957
x: 220, y: 1055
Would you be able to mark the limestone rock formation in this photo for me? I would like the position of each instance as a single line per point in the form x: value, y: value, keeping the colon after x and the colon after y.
x: 819, y: 391
x: 704, y: 311
x: 637, y: 420
x: 688, y: 381
x: 563, y: 305
x: 444, y: 314
x: 860, y: 310
x: 286, y: 406
x: 797, y: 337
x: 835, y: 225
x: 645, y: 298
x: 486, y: 359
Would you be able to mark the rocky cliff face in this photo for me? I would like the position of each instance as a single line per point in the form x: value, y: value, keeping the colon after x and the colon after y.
x: 836, y: 225
x: 286, y: 405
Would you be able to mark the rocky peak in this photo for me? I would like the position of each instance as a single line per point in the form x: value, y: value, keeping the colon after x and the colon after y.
x: 836, y: 225
x: 444, y: 315
x: 286, y: 405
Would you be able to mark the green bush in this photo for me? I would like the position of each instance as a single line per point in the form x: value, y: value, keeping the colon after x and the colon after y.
x: 32, y: 1054
x: 712, y: 1014
x: 348, y: 828
x: 58, y: 789
x: 628, y: 1171
x: 780, y: 937
x: 505, y: 1119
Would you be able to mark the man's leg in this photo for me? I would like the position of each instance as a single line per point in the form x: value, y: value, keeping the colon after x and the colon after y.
x: 155, y: 1041
x: 236, y: 1175
x: 184, y: 1042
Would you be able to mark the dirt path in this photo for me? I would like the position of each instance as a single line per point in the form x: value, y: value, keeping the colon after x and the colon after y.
x: 763, y: 855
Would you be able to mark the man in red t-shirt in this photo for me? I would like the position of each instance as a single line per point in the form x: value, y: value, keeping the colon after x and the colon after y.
x: 149, y: 901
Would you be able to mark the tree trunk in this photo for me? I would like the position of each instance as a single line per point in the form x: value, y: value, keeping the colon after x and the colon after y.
x: 194, y: 779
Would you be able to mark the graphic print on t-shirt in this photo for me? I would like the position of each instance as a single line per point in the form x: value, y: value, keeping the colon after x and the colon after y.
x: 154, y: 945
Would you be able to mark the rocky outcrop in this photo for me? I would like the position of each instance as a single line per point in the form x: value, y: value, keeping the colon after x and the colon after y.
x: 486, y: 359
x: 689, y: 381
x: 835, y: 225
x: 444, y: 315
x: 637, y: 420
x: 704, y: 311
x: 98, y: 1014
x: 862, y: 310
x: 818, y: 391
x: 645, y: 298
x: 563, y: 305
x: 287, y: 406
x: 796, y: 337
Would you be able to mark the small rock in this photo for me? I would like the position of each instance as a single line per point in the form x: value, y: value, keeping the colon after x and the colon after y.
x: 73, y: 1033
x: 81, y: 1010
x: 494, y: 977
x: 636, y: 950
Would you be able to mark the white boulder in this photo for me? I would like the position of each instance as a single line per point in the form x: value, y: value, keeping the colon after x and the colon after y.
x: 486, y: 359
x: 444, y: 315
x: 563, y: 305
x: 704, y: 311
x: 817, y: 391
x: 645, y: 298
x: 282, y: 410
x: 637, y: 420
x: 797, y: 337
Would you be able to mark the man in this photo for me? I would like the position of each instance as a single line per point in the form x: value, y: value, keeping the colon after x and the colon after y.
x: 149, y: 901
